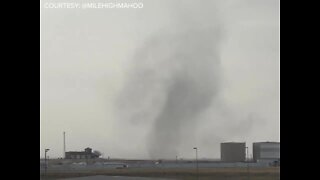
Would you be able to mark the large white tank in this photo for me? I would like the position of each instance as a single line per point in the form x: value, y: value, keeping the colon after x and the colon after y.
x: 266, y: 151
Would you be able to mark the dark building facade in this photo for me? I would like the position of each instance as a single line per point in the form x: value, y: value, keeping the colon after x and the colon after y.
x: 86, y: 154
x: 233, y: 151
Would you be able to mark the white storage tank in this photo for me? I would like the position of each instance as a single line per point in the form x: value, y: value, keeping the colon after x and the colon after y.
x: 233, y: 151
x: 266, y: 151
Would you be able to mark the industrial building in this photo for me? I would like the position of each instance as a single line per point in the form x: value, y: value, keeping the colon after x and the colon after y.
x: 266, y: 152
x: 86, y: 154
x: 233, y: 151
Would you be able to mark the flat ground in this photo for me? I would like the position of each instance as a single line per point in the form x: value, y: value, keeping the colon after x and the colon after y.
x: 270, y: 173
x: 99, y: 177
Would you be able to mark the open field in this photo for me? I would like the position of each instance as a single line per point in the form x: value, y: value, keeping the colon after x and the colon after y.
x: 271, y: 173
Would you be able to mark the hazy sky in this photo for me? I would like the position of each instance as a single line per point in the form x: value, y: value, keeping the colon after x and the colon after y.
x: 157, y: 81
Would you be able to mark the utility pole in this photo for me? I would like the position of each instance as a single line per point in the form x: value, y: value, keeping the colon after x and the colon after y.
x: 45, y: 160
x: 248, y: 163
x: 64, y: 144
x: 197, y: 162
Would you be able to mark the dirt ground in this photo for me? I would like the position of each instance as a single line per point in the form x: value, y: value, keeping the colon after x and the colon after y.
x: 272, y: 173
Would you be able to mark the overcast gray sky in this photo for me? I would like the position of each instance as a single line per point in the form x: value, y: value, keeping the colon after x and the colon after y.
x: 157, y: 81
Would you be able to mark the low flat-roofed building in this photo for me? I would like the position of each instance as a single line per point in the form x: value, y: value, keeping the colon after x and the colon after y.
x: 86, y: 154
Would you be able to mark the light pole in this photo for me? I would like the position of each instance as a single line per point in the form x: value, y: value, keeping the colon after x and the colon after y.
x: 45, y: 160
x: 197, y: 161
x: 248, y: 162
x: 64, y: 145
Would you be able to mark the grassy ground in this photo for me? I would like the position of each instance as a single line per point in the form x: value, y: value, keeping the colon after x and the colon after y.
x: 183, y: 174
